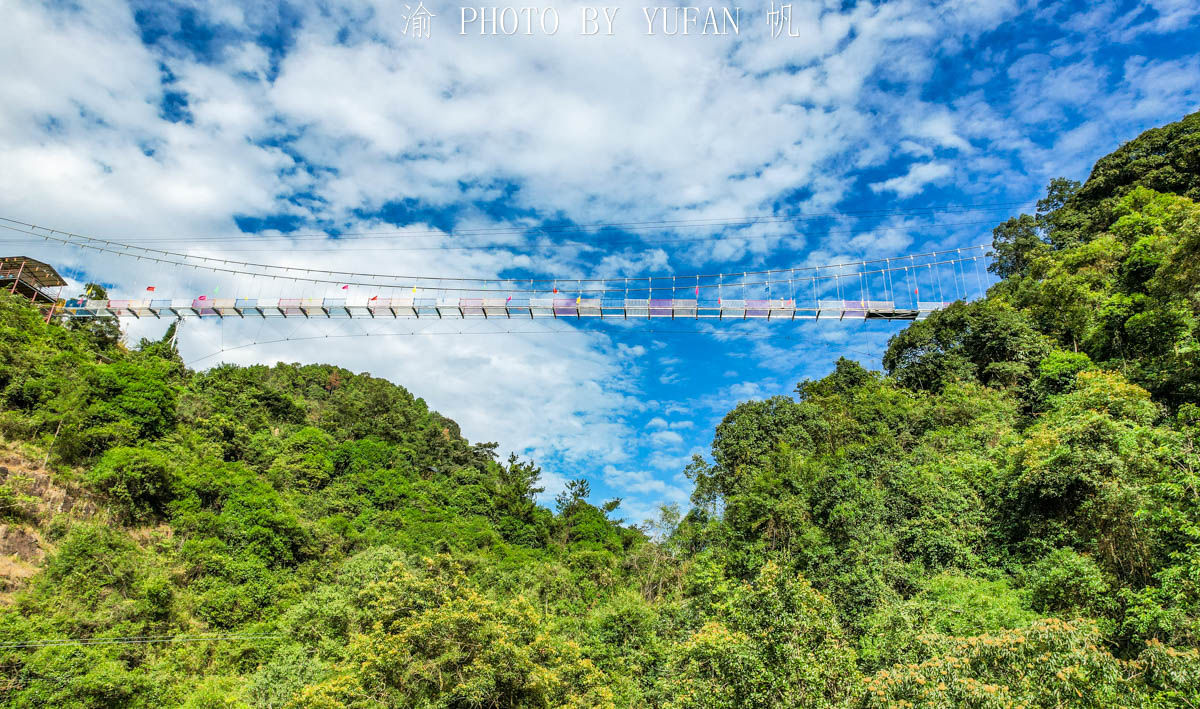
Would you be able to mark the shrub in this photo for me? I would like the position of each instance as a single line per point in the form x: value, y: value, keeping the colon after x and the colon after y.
x: 1068, y: 583
x: 139, y: 481
x: 304, y: 461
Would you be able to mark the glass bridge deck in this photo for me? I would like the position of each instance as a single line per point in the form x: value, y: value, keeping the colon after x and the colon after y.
x: 485, y: 307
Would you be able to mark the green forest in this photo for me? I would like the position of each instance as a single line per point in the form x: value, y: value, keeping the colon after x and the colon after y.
x: 1008, y: 515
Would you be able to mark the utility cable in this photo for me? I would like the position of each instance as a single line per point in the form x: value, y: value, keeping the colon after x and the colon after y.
x: 131, y: 640
x: 291, y: 272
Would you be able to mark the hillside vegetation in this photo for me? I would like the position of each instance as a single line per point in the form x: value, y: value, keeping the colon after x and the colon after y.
x: 1009, y: 515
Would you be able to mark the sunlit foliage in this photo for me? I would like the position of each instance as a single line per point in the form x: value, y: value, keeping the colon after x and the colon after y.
x: 1008, y: 515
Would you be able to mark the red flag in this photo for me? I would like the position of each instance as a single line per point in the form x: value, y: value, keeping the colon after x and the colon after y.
x: 203, y: 297
x: 149, y: 287
x: 374, y: 297
x: 345, y: 287
x: 697, y: 291
x: 555, y: 290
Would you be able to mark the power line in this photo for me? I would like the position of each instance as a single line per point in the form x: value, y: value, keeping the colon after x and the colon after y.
x: 776, y: 277
x: 585, y: 245
x: 290, y: 272
x: 131, y: 640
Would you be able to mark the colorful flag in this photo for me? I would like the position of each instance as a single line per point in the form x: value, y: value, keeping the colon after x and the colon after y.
x: 697, y: 291
x: 203, y: 297
x: 149, y: 288
x: 577, y: 299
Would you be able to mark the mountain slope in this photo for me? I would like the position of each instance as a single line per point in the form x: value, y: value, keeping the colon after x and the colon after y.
x: 1008, y: 515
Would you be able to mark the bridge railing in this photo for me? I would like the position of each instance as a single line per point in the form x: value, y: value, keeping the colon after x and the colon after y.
x: 496, y: 307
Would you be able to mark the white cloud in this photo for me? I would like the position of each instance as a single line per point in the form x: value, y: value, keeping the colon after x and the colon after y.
x: 669, y: 462
x: 666, y: 438
x: 915, y: 180
x: 638, y: 127
x: 656, y: 491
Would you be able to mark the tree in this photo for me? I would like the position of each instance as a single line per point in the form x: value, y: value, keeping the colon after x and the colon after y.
x: 779, y: 644
x: 438, y: 642
x: 516, y: 487
x: 575, y: 494
x: 989, y: 342
x: 305, y: 460
x: 138, y: 480
x: 1016, y: 243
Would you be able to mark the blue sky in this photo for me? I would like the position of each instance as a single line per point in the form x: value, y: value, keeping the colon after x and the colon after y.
x: 232, y: 128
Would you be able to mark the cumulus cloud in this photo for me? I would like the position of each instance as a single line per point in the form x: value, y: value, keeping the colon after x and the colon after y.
x: 666, y: 438
x: 655, y: 491
x: 321, y: 115
x: 917, y: 177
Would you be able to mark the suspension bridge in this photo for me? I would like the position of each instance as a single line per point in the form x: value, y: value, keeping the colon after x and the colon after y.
x: 907, y: 287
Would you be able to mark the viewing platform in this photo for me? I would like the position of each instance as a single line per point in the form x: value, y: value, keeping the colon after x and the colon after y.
x: 37, y: 281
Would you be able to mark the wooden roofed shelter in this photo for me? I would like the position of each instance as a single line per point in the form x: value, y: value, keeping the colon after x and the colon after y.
x: 31, y: 278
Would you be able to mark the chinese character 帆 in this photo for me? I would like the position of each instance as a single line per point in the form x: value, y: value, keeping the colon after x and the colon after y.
x: 780, y: 21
